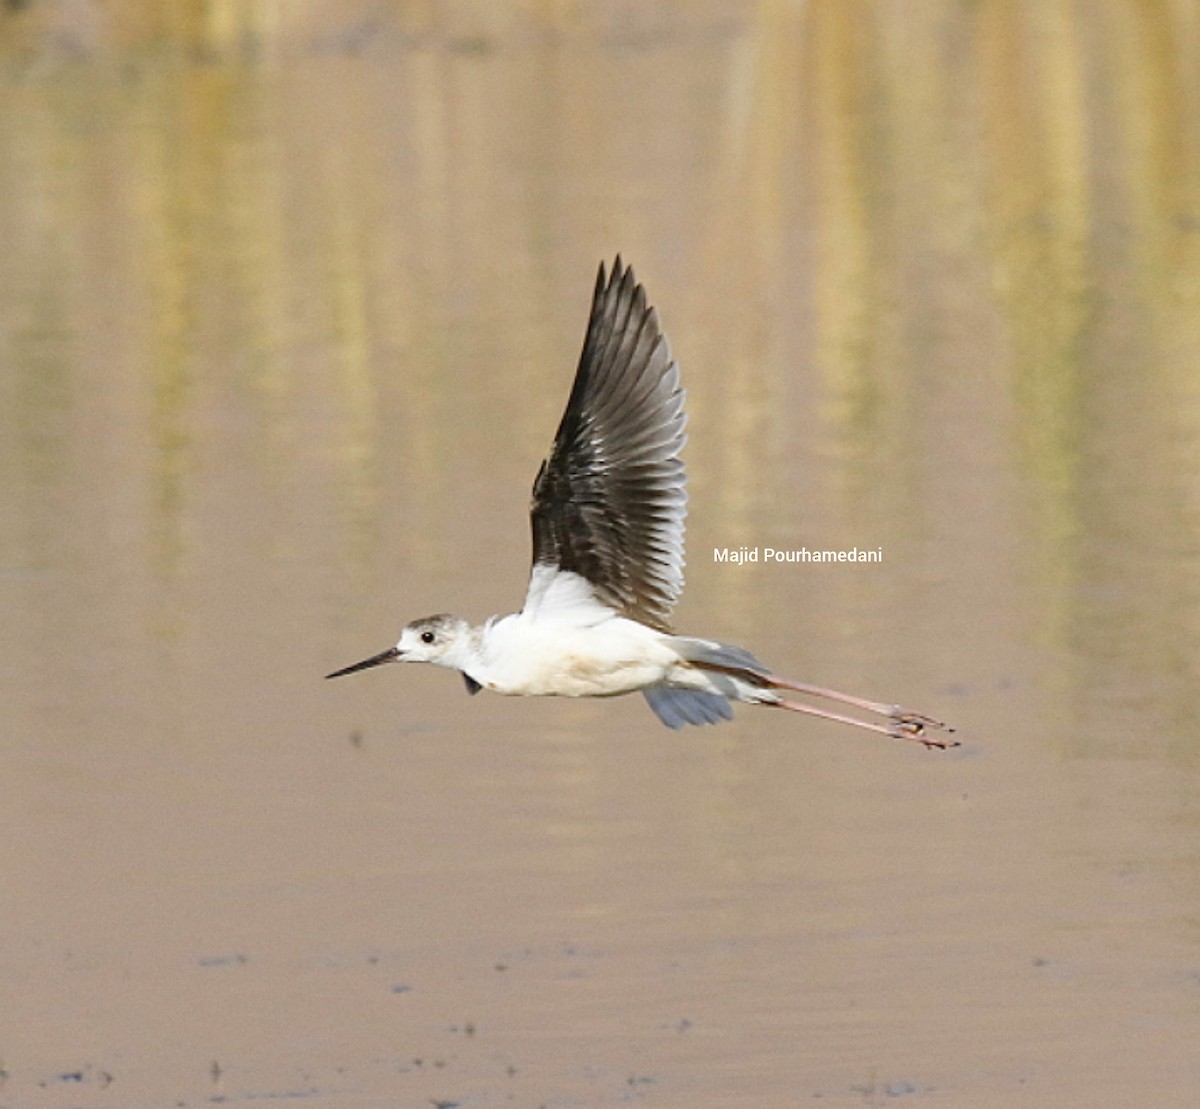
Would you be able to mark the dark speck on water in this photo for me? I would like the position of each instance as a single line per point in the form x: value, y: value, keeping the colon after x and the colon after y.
x: 221, y: 960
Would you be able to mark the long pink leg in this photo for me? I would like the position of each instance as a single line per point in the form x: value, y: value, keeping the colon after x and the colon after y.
x: 897, y: 730
x: 902, y: 716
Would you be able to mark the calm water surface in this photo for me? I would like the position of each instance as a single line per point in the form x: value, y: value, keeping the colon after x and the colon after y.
x: 289, y: 305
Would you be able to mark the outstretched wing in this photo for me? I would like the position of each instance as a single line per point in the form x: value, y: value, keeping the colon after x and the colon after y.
x: 609, y: 502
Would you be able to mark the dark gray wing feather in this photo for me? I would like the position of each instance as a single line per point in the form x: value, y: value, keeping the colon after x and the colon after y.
x: 676, y: 707
x: 609, y: 502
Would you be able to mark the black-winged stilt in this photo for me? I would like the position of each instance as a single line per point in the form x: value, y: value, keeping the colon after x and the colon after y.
x: 608, y: 518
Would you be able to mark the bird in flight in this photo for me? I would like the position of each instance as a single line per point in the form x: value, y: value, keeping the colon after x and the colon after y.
x: 608, y: 519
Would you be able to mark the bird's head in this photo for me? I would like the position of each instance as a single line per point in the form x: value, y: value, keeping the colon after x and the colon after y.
x: 435, y: 639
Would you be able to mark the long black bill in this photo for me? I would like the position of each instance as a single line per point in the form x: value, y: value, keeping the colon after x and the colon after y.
x: 390, y: 655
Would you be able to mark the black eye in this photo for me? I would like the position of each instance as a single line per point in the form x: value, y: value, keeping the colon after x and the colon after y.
x: 427, y: 637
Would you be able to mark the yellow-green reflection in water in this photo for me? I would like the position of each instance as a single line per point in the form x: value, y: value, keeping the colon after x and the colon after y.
x: 290, y: 297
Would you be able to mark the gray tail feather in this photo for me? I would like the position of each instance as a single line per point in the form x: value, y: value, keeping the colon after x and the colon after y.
x: 676, y: 707
x: 708, y: 652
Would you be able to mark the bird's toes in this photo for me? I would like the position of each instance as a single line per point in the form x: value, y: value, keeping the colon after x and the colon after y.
x: 938, y: 744
x: 913, y: 726
x: 917, y: 720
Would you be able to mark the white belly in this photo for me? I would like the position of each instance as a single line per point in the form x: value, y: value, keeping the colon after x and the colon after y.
x: 532, y: 659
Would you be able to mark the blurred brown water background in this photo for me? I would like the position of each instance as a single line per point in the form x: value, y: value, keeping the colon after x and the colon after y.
x: 290, y: 298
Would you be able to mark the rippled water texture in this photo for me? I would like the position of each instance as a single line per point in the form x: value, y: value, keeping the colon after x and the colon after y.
x: 290, y: 299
